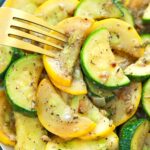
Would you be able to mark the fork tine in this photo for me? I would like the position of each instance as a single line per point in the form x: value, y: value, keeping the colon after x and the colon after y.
x: 31, y: 37
x: 30, y: 27
x: 30, y: 18
x: 13, y: 42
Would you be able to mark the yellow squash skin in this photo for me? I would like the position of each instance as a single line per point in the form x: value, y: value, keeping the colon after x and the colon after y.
x: 7, y: 128
x: 123, y: 36
x: 60, y: 69
x: 56, y: 116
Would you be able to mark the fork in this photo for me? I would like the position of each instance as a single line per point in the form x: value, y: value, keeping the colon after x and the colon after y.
x: 14, y: 25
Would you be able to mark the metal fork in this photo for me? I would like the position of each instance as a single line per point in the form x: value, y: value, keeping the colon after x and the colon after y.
x: 14, y: 27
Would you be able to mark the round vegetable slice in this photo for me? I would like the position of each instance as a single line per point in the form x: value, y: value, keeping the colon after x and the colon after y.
x: 146, y: 15
x: 119, y: 31
x: 140, y: 70
x: 125, y: 103
x: 97, y: 9
x: 78, y: 86
x: 54, y: 11
x: 21, y: 83
x: 56, y: 116
x: 133, y: 135
x: 60, y: 69
x: 146, y: 97
x: 98, y: 61
x: 7, y: 128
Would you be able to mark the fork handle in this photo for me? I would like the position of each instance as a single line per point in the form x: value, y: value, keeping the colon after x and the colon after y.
x: 27, y: 46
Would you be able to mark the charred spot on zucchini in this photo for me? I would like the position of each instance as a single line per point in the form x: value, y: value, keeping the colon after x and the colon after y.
x: 21, y: 82
x: 98, y: 9
x: 146, y: 97
x: 98, y: 62
x: 140, y: 70
x: 132, y: 132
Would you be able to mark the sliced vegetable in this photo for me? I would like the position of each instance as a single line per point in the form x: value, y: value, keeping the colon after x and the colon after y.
x: 7, y: 128
x: 126, y: 13
x: 54, y: 11
x: 140, y: 70
x: 26, y: 5
x: 56, y: 116
x: 104, y: 126
x: 60, y: 69
x: 29, y: 133
x: 98, y: 61
x: 133, y: 135
x: 146, y: 39
x: 146, y: 97
x: 125, y: 103
x: 21, y: 82
x: 119, y: 31
x: 99, y: 92
x: 109, y: 143
x: 96, y: 9
x: 147, y: 142
x: 6, y: 54
x: 146, y: 15
x: 78, y: 86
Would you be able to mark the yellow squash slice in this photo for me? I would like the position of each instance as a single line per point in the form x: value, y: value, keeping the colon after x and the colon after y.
x: 56, y: 116
x: 123, y: 36
x: 26, y: 5
x: 78, y: 86
x: 54, y: 11
x: 7, y: 128
x: 60, y: 69
x: 104, y: 126
x: 125, y: 104
x: 109, y: 143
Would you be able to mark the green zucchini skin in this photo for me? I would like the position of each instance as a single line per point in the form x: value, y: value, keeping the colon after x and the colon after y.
x: 146, y: 39
x: 145, y: 91
x: 86, y: 71
x: 99, y: 92
x: 127, y: 133
x: 113, y: 12
x: 18, y: 107
x: 127, y: 16
x: 14, y: 54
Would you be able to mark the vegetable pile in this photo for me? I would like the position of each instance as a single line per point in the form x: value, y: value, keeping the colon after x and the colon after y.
x: 95, y: 94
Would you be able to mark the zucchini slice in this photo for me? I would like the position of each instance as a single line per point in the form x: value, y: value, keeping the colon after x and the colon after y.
x: 126, y: 13
x: 146, y: 15
x: 99, y: 92
x: 125, y: 103
x: 146, y: 39
x: 98, y: 62
x: 29, y: 133
x: 111, y: 142
x: 98, y: 9
x: 21, y: 82
x: 140, y: 70
x: 133, y: 135
x: 84, y: 106
x: 78, y: 86
x: 7, y: 128
x: 61, y: 69
x: 119, y: 31
x: 6, y: 55
x: 56, y: 116
x: 146, y: 97
x: 54, y: 11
